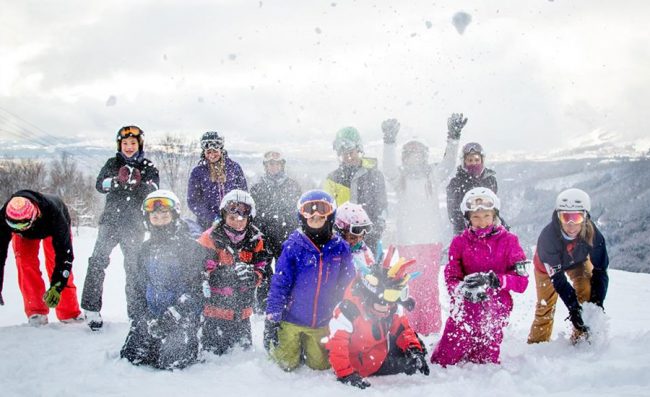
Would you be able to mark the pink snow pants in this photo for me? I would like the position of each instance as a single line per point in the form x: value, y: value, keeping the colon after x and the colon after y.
x: 425, y: 318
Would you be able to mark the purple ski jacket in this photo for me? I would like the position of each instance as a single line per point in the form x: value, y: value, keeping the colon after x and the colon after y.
x: 204, y: 196
x: 474, y: 331
x: 308, y: 283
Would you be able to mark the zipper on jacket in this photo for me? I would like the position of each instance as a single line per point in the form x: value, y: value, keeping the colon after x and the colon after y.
x: 320, y: 276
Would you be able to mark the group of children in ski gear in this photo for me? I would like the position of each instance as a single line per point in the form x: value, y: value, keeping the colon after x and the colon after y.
x: 328, y: 302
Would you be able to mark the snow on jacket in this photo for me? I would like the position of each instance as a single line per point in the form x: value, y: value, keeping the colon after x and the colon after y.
x: 123, y: 204
x: 170, y: 264
x: 462, y: 183
x: 498, y: 251
x: 54, y: 222
x: 358, y: 342
x: 555, y: 254
x: 229, y: 300
x: 308, y: 282
x: 204, y: 196
x: 275, y: 202
x: 363, y: 185
x: 474, y: 330
x: 418, y: 212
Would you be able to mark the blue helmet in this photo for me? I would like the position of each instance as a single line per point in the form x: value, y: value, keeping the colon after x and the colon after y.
x: 323, y: 204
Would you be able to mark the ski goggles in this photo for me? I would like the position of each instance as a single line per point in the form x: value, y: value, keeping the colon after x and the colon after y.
x: 480, y: 202
x: 19, y: 225
x: 318, y: 207
x: 157, y: 204
x: 214, y: 144
x: 575, y: 217
x: 394, y: 295
x: 472, y: 147
x: 237, y: 208
x: 130, y: 130
x: 359, y: 230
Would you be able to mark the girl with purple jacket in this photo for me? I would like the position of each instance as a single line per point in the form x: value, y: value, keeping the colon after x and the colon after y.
x: 486, y: 262
x: 214, y: 176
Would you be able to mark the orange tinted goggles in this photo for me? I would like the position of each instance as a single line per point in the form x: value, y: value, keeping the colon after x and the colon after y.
x: 318, y: 207
x: 130, y: 131
x: 571, y: 217
x: 158, y: 203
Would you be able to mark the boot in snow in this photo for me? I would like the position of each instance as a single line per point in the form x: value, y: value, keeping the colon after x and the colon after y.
x: 94, y: 320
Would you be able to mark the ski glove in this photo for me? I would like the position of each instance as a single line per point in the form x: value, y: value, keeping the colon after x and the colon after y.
x: 390, y: 128
x: 416, y: 362
x: 354, y: 379
x: 575, y: 315
x: 245, y: 274
x: 155, y: 329
x: 455, y: 124
x: 2, y: 302
x: 123, y: 175
x: 53, y: 295
x: 271, y: 329
x: 487, y: 279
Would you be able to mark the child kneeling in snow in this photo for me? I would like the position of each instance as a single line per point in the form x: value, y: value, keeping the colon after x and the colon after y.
x: 369, y: 333
x: 168, y: 298
x: 486, y: 262
x: 235, y: 268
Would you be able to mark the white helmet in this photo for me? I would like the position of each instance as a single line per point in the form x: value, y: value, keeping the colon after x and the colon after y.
x: 480, y: 198
x: 573, y: 200
x: 238, y: 196
x: 352, y: 216
x: 161, y: 197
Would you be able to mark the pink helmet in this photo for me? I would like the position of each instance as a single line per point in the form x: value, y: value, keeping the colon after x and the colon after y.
x: 353, y: 218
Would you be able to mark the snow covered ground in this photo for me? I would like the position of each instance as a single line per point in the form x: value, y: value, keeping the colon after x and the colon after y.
x: 70, y: 360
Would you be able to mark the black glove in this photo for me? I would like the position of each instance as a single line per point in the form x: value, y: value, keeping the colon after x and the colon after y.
x: 155, y: 328
x: 417, y: 362
x: 53, y: 295
x: 354, y: 379
x: 245, y: 274
x: 455, y: 124
x: 271, y: 329
x: 575, y: 315
x: 473, y: 294
x: 487, y: 279
x: 2, y: 302
x: 390, y: 128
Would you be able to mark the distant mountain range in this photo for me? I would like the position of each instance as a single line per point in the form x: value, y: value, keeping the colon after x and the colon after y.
x: 616, y: 175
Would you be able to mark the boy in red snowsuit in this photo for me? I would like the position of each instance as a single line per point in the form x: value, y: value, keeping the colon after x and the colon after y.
x: 369, y: 333
x: 27, y: 218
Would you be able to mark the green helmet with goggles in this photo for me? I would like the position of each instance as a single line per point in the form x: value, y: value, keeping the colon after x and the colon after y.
x: 347, y: 138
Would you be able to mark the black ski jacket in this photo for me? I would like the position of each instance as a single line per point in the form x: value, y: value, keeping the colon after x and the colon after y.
x: 276, y: 203
x: 458, y: 186
x: 54, y: 221
x: 124, y: 203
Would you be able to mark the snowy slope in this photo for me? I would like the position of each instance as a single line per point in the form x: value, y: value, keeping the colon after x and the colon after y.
x: 69, y: 360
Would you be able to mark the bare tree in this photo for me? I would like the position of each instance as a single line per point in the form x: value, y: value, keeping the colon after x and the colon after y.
x: 20, y: 174
x: 174, y: 157
x: 76, y: 190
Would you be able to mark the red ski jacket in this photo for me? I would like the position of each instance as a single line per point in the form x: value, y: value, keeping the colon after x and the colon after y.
x: 359, y: 342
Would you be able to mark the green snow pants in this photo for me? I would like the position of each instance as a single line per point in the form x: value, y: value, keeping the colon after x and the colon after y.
x: 296, y: 342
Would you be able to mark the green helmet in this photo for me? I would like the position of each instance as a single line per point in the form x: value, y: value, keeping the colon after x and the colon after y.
x: 347, y: 138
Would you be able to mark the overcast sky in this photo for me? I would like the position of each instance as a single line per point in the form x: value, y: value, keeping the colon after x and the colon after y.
x: 531, y: 75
